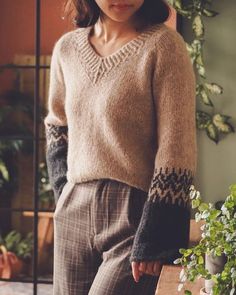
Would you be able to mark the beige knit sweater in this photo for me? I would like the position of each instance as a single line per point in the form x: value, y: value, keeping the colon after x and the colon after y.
x: 130, y: 116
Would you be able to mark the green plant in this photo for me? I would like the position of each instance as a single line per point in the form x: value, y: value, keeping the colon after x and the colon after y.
x: 218, y: 238
x: 213, y: 123
x: 15, y: 243
x: 16, y: 116
x: 8, y: 150
x: 16, y: 123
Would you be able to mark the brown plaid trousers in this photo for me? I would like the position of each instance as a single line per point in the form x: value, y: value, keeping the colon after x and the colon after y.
x: 94, y: 227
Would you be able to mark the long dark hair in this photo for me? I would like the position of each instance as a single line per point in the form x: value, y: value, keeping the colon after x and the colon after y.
x: 86, y: 12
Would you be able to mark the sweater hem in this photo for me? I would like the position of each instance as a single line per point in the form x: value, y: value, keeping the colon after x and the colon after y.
x: 128, y: 182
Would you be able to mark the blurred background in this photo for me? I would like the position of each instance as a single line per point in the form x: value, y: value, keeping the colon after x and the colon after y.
x: 28, y: 31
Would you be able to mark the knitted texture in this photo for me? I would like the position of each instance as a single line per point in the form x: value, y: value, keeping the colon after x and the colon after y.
x: 130, y: 117
x: 56, y: 157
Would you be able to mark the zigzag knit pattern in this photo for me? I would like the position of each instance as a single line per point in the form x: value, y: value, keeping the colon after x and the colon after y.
x: 56, y: 135
x: 171, y: 186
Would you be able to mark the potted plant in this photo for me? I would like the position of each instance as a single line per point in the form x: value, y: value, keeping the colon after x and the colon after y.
x: 213, y: 258
x: 15, y: 252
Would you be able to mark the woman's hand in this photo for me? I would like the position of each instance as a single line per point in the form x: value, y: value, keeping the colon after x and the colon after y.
x: 150, y: 267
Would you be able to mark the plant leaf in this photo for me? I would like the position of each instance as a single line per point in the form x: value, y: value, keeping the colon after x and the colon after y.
x: 201, y: 70
x: 220, y: 122
x: 203, y: 206
x: 195, y: 203
x: 184, y: 12
x: 4, y: 171
x: 200, y: 260
x: 177, y: 4
x: 203, y: 119
x: 198, y: 26
x: 212, y: 132
x: 177, y: 261
x: 209, y: 13
x: 214, y: 88
x: 189, y: 48
x: 199, y: 60
x: 205, y: 98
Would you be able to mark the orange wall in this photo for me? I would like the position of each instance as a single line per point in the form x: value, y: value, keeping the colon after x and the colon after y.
x: 18, y: 26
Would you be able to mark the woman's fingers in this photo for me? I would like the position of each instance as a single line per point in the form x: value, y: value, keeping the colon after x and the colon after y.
x: 157, y: 268
x: 149, y: 268
x: 142, y: 266
x: 135, y: 270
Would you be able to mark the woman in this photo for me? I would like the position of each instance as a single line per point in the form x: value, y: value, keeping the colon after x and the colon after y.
x: 121, y: 147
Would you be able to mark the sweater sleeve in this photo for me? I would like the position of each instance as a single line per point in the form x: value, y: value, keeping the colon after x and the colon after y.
x: 165, y: 222
x: 55, y: 124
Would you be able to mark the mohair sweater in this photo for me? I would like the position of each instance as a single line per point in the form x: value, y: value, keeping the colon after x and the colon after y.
x: 129, y: 116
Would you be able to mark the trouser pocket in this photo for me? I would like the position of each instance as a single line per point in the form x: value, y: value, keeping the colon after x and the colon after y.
x: 64, y: 196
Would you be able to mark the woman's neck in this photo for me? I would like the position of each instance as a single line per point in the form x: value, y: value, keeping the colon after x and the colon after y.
x: 109, y: 30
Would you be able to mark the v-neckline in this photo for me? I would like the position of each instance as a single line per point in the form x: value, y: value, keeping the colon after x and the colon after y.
x: 97, y: 66
x: 134, y: 40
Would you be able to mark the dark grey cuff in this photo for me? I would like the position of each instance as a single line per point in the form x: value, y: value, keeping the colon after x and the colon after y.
x: 165, y: 221
x: 163, y: 229
x: 56, y: 157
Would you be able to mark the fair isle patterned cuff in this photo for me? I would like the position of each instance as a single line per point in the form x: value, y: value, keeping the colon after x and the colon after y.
x: 165, y: 221
x: 56, y: 157
x: 171, y: 187
x: 56, y: 135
